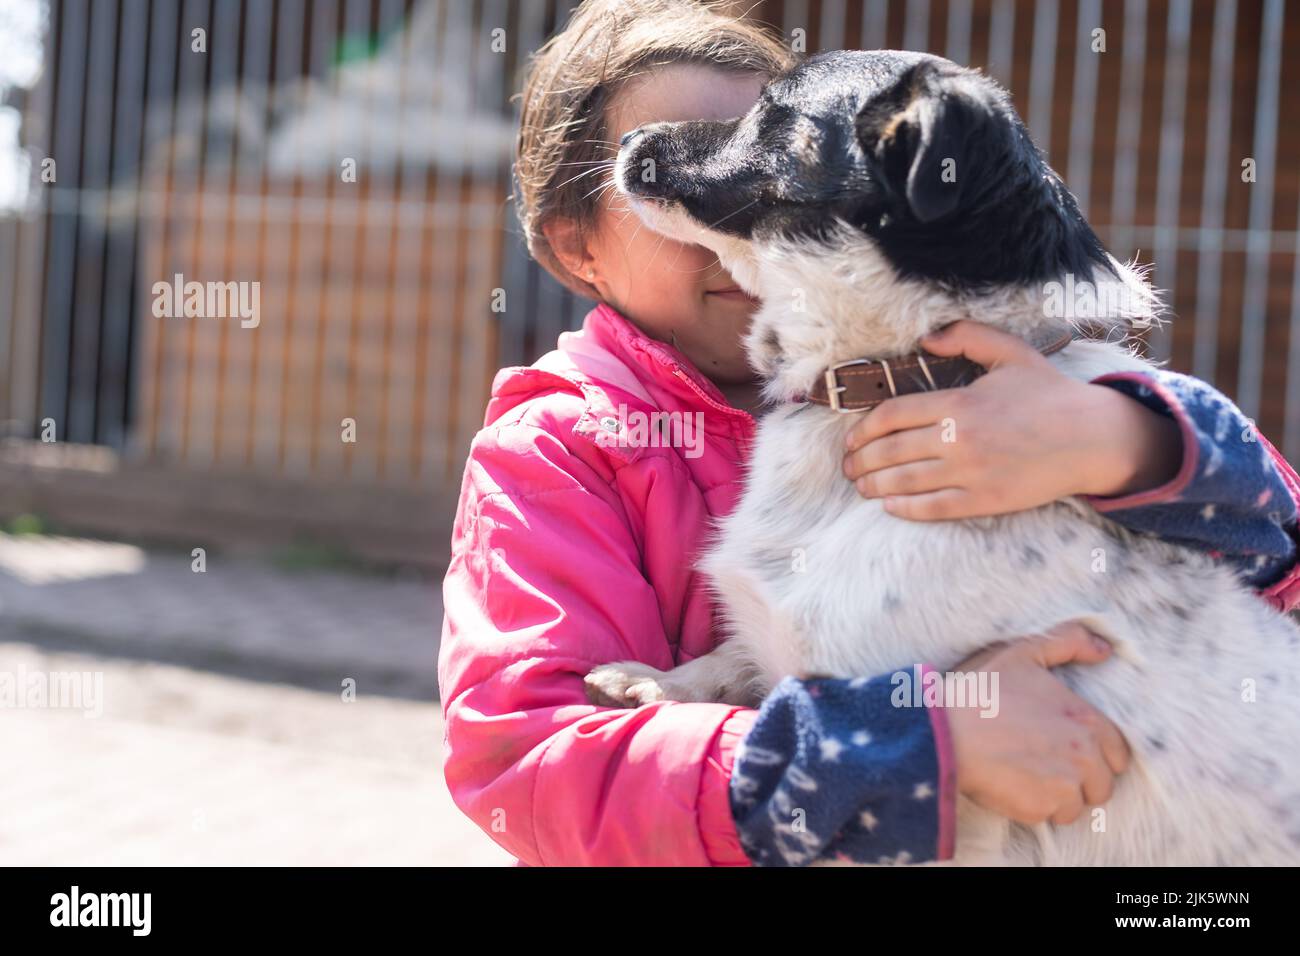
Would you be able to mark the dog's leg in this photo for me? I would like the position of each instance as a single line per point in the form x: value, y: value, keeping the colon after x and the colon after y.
x: 724, y: 675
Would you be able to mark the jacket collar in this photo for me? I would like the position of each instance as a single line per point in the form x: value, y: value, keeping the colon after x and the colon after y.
x: 613, y: 365
x: 663, y: 363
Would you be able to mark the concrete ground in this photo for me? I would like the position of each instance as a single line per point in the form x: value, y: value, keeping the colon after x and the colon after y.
x: 211, y: 725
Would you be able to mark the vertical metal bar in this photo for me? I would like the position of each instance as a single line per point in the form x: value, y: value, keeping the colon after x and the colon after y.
x: 1002, y: 34
x: 369, y: 344
x: 1123, y: 200
x: 88, y: 264
x: 875, y: 24
x: 211, y: 334
x: 359, y: 350
x: 487, y: 199
x: 408, y: 324
x: 1218, y: 129
x: 28, y: 304
x: 957, y: 41
x: 517, y: 275
x: 1001, y: 37
x: 380, y: 264
x: 1169, y: 183
x: 835, y: 16
x: 299, y: 409
x: 916, y: 25
x: 354, y: 350
x: 442, y: 210
x: 457, y: 73
x: 249, y: 222
x: 336, y: 398
x: 182, y: 247
x: 1291, y: 422
x: 10, y: 225
x: 160, y: 118
x: 1042, y: 74
x: 426, y: 420
x: 21, y: 198
x: 1083, y: 108
x: 123, y: 238
x: 275, y: 345
x: 795, y: 17
x: 1255, y: 301
x: 65, y: 217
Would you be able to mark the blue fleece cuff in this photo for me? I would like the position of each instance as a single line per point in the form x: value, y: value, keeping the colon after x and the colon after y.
x: 838, y: 769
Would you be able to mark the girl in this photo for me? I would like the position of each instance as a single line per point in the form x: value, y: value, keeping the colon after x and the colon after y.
x: 573, y: 548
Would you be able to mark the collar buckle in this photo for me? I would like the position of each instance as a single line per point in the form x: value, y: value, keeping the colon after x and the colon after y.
x: 834, y: 388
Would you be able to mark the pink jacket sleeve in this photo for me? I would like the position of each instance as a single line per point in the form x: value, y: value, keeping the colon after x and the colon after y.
x: 544, y: 584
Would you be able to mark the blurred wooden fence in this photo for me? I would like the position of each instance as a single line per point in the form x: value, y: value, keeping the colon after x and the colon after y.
x: 365, y: 317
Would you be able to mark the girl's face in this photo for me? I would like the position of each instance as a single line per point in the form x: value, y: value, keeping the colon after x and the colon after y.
x: 674, y: 291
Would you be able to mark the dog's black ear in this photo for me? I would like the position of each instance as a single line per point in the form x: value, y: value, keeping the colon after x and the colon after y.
x: 923, y: 135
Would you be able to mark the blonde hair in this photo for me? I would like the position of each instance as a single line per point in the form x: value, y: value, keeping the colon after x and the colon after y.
x: 572, y: 78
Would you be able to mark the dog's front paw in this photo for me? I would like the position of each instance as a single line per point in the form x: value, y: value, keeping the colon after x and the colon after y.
x: 625, y: 684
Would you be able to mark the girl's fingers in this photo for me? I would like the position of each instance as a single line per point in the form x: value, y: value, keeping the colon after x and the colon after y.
x: 943, y: 505
x: 980, y: 343
x: 913, y: 478
x: 897, y: 414
x: 1113, y: 746
x: 1068, y: 643
x: 1098, y: 782
x: 1069, y: 809
x: 896, y: 448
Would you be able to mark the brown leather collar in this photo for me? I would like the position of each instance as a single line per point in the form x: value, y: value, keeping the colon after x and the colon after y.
x: 859, y: 385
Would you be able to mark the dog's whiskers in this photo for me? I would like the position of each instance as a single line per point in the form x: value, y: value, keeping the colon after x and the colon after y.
x: 734, y: 212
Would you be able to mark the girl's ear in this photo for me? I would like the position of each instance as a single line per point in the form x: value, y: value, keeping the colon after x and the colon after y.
x: 567, y: 241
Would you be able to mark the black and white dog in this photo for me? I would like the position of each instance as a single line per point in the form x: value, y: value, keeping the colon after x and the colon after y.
x: 868, y: 199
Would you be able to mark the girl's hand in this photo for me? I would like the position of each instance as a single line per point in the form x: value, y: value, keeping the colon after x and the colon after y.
x: 1047, y: 754
x: 1018, y: 437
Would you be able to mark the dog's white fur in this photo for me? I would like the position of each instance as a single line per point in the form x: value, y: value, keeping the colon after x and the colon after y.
x: 1212, y: 781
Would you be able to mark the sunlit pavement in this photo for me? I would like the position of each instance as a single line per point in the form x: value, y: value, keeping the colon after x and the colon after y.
x: 186, y: 768
x: 312, y: 628
x: 175, y: 764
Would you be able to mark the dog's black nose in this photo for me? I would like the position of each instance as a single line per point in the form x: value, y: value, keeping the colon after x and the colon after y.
x: 629, y: 136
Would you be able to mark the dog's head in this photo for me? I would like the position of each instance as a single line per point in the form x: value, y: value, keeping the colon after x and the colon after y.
x: 867, y: 198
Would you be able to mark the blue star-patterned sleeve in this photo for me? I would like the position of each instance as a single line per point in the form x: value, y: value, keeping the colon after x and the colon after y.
x: 836, y: 769
x: 1228, y: 498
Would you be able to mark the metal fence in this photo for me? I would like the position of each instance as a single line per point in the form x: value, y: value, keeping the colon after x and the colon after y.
x: 345, y: 161
x: 350, y: 158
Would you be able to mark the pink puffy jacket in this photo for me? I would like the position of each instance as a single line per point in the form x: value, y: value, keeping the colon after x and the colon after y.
x: 570, y: 550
